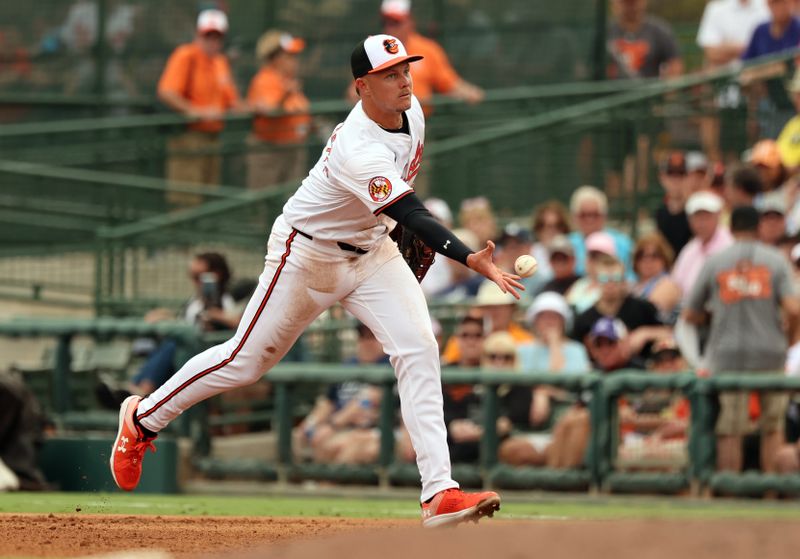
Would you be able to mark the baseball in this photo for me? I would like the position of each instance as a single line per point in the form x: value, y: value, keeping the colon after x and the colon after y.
x: 525, y: 265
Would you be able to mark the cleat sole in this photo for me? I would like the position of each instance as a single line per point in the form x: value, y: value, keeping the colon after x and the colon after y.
x: 485, y: 508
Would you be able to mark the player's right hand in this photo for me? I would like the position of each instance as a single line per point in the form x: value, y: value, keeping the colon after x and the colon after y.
x: 483, y: 263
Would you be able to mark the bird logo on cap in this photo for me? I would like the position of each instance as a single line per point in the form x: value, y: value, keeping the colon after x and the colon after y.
x: 391, y: 46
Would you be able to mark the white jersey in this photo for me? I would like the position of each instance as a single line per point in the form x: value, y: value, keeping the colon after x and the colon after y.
x: 363, y: 170
x: 730, y: 22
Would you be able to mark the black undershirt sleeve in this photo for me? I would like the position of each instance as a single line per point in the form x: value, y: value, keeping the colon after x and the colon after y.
x: 409, y: 212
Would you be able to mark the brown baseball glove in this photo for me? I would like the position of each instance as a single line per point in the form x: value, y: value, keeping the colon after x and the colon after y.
x: 417, y: 254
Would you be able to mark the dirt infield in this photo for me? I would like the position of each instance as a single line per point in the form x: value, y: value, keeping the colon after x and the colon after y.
x: 75, y: 535
x: 31, y: 535
x: 553, y: 539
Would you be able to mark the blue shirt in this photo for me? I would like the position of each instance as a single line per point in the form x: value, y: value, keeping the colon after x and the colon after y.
x: 762, y: 42
x: 535, y: 357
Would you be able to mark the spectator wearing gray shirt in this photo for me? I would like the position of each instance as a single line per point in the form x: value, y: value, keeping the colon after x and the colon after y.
x: 641, y: 46
x: 747, y: 289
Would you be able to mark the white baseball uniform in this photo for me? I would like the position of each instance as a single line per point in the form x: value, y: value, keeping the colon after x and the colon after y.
x: 331, y: 245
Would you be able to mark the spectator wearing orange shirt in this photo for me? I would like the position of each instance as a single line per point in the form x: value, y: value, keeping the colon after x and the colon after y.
x: 276, y: 89
x: 434, y: 73
x: 197, y: 82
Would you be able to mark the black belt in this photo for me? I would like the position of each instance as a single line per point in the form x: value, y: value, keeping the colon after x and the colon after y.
x: 341, y: 245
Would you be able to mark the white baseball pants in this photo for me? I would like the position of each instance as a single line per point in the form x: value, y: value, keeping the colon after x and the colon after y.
x: 301, y: 279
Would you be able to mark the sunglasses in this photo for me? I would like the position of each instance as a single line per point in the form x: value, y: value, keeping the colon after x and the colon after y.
x: 604, y: 342
x: 610, y: 278
x: 589, y: 215
x: 504, y: 357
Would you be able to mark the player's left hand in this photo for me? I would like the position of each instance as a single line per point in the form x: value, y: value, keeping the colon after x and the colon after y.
x: 482, y: 263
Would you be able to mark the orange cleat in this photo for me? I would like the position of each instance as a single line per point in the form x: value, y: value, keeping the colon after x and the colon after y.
x: 453, y: 506
x: 129, y: 447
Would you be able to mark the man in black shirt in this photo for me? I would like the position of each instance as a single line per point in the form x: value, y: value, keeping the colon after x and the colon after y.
x: 671, y: 217
x: 639, y: 316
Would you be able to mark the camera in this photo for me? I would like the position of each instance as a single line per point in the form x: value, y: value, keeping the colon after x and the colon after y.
x: 209, y: 291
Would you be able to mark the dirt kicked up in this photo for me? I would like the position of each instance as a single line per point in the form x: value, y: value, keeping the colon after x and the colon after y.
x: 75, y: 535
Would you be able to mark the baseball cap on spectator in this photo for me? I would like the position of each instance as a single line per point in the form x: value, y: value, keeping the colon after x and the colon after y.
x: 703, y: 201
x: 766, y: 154
x: 397, y: 10
x: 675, y: 164
x: 549, y: 301
x: 514, y: 231
x: 378, y: 52
x: 696, y: 162
x: 490, y: 295
x: 602, y: 242
x: 772, y: 202
x: 440, y: 210
x: 274, y: 41
x: 609, y: 328
x: 212, y: 20
x: 560, y: 245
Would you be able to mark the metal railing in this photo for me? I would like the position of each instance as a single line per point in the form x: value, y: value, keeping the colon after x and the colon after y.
x: 602, y: 391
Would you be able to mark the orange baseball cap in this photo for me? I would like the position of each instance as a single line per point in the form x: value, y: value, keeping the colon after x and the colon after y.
x: 274, y: 40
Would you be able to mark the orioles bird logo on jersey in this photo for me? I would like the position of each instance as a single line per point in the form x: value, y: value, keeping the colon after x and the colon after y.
x: 380, y: 188
x: 391, y: 46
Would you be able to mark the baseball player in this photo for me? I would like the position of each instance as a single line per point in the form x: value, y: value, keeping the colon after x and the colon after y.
x: 331, y: 244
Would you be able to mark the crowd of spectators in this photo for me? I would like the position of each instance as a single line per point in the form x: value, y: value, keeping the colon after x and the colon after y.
x: 711, y: 277
x: 708, y: 282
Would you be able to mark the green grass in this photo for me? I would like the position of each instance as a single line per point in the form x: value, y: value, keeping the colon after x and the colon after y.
x: 541, y: 508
